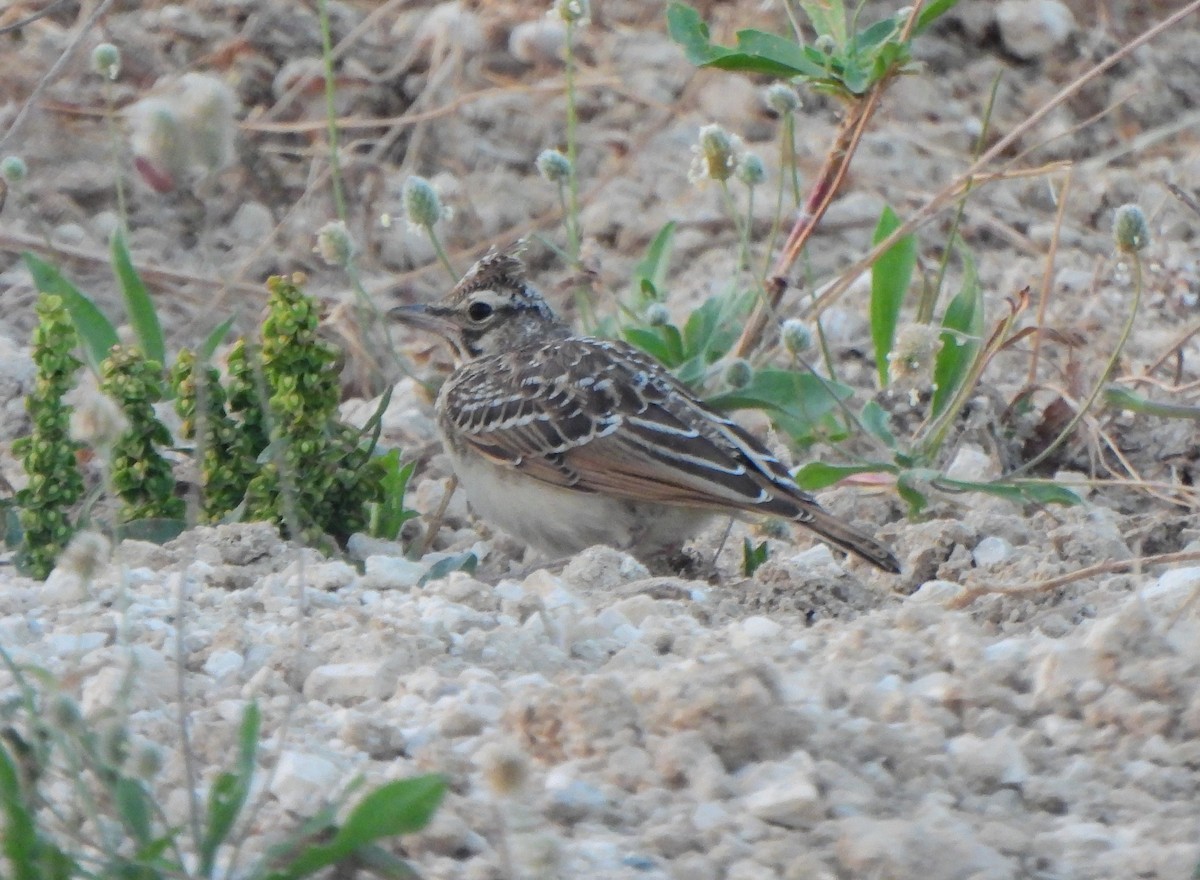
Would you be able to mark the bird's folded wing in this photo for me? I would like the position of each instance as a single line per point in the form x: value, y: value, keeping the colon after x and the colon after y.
x: 601, y: 417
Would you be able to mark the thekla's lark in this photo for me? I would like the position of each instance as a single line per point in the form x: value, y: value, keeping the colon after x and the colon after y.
x: 566, y: 441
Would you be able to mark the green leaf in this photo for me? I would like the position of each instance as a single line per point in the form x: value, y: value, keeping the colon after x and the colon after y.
x: 390, y: 515
x: 374, y: 859
x: 962, y: 337
x: 1019, y: 491
x: 229, y: 791
x: 138, y: 304
x: 875, y: 419
x: 752, y: 556
x: 692, y: 372
x: 96, y: 331
x: 651, y: 272
x: 908, y: 491
x: 674, y: 343
x: 827, y: 17
x: 867, y: 41
x: 156, y: 530
x: 796, y: 401
x: 654, y: 344
x: 153, y: 851
x: 756, y: 52
x: 932, y: 11
x: 711, y: 330
x: 856, y: 77
x: 133, y: 806
x: 700, y: 327
x: 890, y: 279
x: 400, y: 807
x: 817, y: 475
x: 21, y: 839
x: 445, y: 567
x: 214, y: 339
x: 1119, y: 397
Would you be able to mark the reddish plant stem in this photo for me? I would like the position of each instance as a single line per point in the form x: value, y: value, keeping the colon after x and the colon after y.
x: 828, y: 183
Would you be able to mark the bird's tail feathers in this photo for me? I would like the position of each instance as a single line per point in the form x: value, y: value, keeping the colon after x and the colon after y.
x: 850, y: 539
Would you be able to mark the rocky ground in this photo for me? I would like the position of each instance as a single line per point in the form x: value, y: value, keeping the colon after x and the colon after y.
x: 815, y: 720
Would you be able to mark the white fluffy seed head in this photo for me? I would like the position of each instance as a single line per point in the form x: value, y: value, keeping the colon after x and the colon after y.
x: 106, y: 61
x: 781, y: 98
x: 1131, y: 232
x: 553, y: 166
x: 334, y: 244
x: 422, y: 205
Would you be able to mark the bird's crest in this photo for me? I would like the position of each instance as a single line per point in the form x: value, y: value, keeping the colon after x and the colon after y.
x: 494, y: 269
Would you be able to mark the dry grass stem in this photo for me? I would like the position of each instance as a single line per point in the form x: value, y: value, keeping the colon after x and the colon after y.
x: 1113, y: 566
x: 969, y: 177
x: 1048, y: 278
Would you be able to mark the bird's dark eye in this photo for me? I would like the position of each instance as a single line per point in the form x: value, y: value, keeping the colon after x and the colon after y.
x: 479, y: 311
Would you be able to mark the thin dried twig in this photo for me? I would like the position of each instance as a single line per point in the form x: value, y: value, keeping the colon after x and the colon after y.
x: 1113, y: 566
x: 154, y: 275
x: 31, y: 18
x: 1048, y: 279
x: 55, y: 69
x: 969, y: 177
x: 350, y: 123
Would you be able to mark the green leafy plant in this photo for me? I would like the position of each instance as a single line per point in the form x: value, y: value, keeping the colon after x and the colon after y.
x: 140, y: 475
x: 388, y: 515
x: 855, y: 66
x: 947, y: 352
x: 300, y: 386
x: 799, y: 402
x: 938, y: 360
x: 96, y: 331
x: 754, y: 555
x: 113, y: 784
x: 268, y: 441
x: 271, y: 445
x: 226, y: 449
x: 839, y: 61
x: 48, y: 452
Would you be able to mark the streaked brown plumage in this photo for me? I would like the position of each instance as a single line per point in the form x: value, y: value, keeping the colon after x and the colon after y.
x: 567, y: 441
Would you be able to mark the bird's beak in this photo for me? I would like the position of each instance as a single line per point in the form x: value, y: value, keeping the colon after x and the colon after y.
x: 422, y: 317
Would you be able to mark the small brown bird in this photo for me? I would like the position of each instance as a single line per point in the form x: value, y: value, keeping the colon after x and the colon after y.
x: 566, y: 441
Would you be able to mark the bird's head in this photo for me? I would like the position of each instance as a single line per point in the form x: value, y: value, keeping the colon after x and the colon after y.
x: 493, y: 309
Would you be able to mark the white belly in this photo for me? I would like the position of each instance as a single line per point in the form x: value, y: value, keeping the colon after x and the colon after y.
x: 561, y: 522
